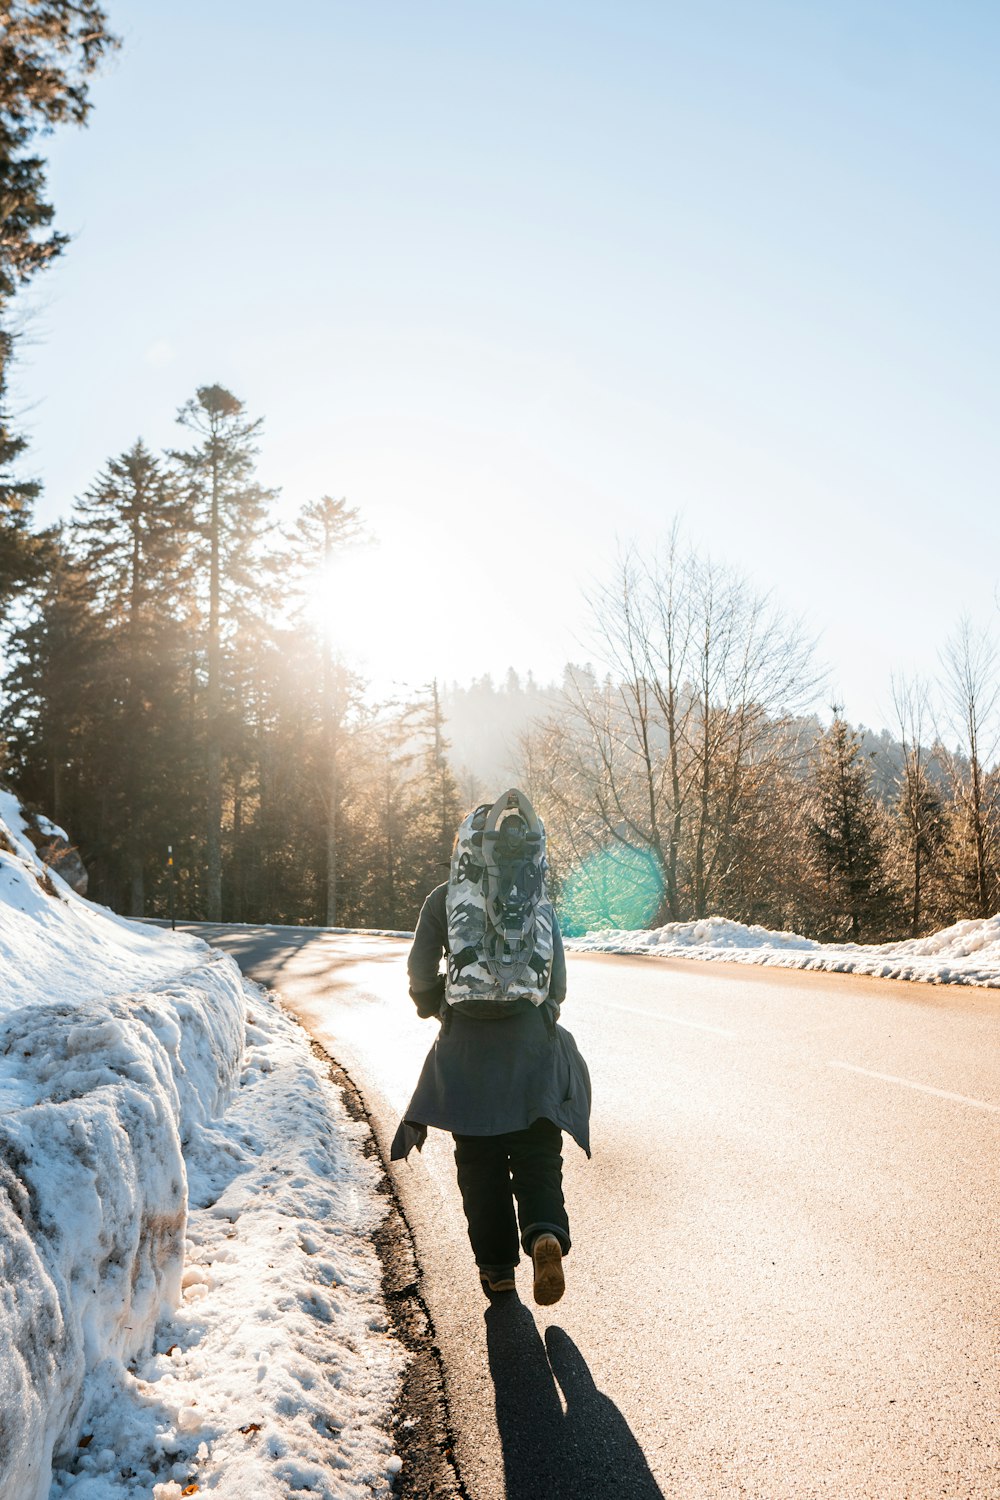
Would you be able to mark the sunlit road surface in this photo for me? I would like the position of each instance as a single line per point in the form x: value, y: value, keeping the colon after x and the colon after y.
x: 784, y: 1279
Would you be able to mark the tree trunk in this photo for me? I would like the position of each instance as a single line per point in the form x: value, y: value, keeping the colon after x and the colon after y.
x: 442, y: 777
x: 58, y: 809
x: 331, y: 845
x: 979, y: 838
x: 213, y: 839
x: 330, y: 738
x: 134, y: 780
x: 137, y: 886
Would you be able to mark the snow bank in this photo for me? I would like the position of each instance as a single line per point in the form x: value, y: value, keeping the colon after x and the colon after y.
x: 45, y: 940
x: 275, y: 1374
x: 180, y: 1206
x: 94, y: 1198
x: 966, y: 953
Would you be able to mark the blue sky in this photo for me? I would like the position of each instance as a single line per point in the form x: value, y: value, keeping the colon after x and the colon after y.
x: 524, y: 280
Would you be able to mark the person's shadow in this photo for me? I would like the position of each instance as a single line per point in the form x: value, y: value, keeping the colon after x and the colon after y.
x: 586, y: 1452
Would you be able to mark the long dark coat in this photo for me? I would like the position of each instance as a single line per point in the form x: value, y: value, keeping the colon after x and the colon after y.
x: 490, y: 1076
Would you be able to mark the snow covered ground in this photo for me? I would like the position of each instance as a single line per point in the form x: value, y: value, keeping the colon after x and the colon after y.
x: 188, y: 1293
x: 966, y: 953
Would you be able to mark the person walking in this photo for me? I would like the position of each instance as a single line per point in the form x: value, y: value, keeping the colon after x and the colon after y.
x: 503, y: 1077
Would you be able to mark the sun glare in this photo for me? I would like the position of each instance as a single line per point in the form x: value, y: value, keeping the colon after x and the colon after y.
x: 364, y: 604
x: 342, y: 601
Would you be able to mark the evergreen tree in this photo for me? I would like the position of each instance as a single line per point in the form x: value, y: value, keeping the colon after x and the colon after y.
x: 378, y: 816
x: 920, y: 819
x: 322, y: 530
x: 54, y: 706
x: 23, y: 554
x: 847, y: 832
x: 235, y: 574
x: 441, y: 810
x: 919, y: 815
x: 48, y: 51
x: 131, y: 531
x: 400, y: 813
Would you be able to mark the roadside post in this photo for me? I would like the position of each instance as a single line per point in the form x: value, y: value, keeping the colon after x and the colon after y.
x: 170, y: 867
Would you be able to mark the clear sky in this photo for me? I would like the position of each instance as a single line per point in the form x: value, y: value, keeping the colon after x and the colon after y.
x: 521, y: 279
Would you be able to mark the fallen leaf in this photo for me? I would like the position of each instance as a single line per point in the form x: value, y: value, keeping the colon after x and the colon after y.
x: 85, y: 1442
x: 192, y: 1489
x: 250, y: 1427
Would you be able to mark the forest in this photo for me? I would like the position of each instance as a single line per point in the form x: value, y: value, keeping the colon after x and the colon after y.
x: 693, y: 779
x: 168, y: 690
x: 173, y: 699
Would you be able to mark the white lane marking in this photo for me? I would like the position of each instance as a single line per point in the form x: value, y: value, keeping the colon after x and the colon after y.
x: 923, y: 1088
x: 655, y: 1015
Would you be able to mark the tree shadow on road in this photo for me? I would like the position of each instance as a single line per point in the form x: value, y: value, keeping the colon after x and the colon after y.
x: 264, y: 952
x: 586, y: 1452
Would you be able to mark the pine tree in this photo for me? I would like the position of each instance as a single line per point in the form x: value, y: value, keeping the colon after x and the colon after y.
x: 54, y: 703
x: 919, y: 814
x: 443, y: 811
x: 131, y: 531
x: 381, y: 814
x: 392, y: 847
x: 48, y: 51
x: 23, y: 554
x: 235, y: 572
x: 323, y: 529
x: 847, y: 832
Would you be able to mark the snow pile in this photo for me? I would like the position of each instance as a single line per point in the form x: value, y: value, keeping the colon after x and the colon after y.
x: 186, y: 1295
x: 42, y: 940
x: 275, y: 1374
x: 965, y: 953
x: 94, y: 1206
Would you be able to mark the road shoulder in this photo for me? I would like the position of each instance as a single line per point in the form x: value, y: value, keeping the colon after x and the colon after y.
x: 420, y: 1425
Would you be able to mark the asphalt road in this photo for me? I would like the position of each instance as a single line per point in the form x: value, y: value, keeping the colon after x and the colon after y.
x: 784, y: 1280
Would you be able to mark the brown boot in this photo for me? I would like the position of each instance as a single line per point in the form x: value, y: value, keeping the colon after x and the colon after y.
x: 498, y: 1281
x: 546, y: 1256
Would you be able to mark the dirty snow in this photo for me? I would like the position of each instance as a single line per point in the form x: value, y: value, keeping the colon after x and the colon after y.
x: 965, y: 953
x: 188, y: 1291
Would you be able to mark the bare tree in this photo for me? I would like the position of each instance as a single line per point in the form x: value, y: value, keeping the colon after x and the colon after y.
x: 663, y: 753
x: 971, y: 689
x: 755, y: 671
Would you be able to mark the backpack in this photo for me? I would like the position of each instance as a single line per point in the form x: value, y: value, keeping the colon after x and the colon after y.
x: 499, y: 917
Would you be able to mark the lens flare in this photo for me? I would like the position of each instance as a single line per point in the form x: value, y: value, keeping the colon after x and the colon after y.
x: 619, y: 887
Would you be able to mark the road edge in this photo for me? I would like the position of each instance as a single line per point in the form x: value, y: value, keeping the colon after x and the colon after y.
x: 420, y: 1424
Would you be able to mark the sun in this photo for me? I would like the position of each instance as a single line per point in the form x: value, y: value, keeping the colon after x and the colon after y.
x: 368, y: 605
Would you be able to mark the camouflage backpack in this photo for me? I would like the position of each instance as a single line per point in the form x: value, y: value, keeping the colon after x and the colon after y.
x: 499, y: 917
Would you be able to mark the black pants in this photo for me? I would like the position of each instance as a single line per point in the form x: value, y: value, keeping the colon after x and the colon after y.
x: 493, y: 1170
